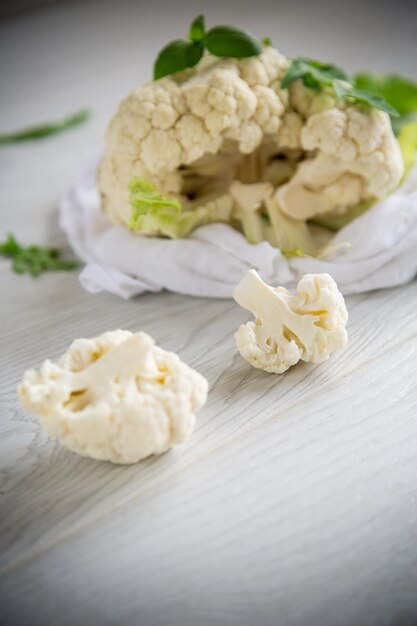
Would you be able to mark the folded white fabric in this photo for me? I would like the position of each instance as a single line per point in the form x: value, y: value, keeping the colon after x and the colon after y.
x: 382, y: 250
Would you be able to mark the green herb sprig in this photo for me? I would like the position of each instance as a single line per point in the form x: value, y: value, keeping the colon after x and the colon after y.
x: 314, y: 74
x: 317, y: 75
x: 33, y: 260
x: 46, y: 130
x: 221, y: 41
x: 350, y: 93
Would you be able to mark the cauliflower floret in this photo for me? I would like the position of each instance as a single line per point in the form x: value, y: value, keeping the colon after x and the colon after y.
x: 307, y: 102
x: 357, y: 159
x: 289, y: 134
x: 269, y: 68
x: 288, y: 328
x: 116, y: 397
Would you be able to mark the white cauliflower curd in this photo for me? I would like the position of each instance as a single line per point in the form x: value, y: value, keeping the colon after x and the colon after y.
x: 355, y: 157
x: 288, y: 328
x: 189, y: 134
x: 117, y: 397
x: 187, y: 149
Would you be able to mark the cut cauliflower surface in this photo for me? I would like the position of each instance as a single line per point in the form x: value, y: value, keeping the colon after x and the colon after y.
x: 194, y: 134
x: 288, y: 328
x: 117, y: 397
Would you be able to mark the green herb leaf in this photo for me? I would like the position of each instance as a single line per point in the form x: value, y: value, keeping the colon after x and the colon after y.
x: 221, y: 41
x: 398, y: 91
x: 46, y: 130
x: 227, y: 41
x: 267, y: 42
x: 10, y: 247
x: 348, y: 92
x: 197, y: 29
x: 296, y: 71
x: 314, y: 74
x: 177, y: 56
x: 317, y: 75
x: 33, y: 260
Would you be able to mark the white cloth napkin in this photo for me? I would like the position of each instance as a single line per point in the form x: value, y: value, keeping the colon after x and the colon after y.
x: 382, y: 252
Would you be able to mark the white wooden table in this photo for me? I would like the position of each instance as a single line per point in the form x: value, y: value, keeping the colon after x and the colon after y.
x: 295, y: 502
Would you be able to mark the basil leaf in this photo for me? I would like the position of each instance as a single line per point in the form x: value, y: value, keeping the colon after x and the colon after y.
x: 352, y: 94
x: 227, y: 41
x: 46, y: 130
x: 311, y: 82
x: 177, y: 56
x: 325, y: 71
x: 398, y: 91
x: 221, y: 41
x: 314, y: 74
x: 197, y: 29
x: 296, y: 71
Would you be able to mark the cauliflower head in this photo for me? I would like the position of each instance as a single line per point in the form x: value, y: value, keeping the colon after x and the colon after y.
x: 196, y: 135
x: 117, y: 397
x: 307, y: 326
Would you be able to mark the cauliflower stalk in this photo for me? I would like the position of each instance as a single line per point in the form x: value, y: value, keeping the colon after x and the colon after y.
x: 260, y: 143
x: 117, y: 397
x: 288, y: 328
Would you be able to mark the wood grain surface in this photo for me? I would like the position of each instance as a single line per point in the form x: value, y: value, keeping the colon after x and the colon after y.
x: 295, y: 501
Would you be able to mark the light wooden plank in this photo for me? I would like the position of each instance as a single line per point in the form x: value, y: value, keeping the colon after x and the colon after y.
x: 295, y: 501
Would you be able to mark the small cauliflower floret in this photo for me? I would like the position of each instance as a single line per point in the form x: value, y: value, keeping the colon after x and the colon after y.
x: 288, y: 328
x: 357, y: 159
x: 117, y: 397
x: 289, y: 134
